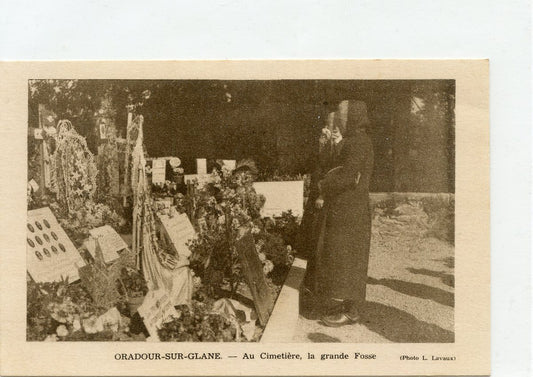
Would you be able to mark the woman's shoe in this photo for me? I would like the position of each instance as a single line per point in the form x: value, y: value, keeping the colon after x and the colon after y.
x: 338, y: 320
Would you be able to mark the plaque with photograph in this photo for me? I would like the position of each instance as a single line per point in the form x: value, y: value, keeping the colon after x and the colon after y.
x: 51, y: 255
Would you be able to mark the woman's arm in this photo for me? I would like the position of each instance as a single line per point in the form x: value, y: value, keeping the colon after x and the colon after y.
x: 347, y: 175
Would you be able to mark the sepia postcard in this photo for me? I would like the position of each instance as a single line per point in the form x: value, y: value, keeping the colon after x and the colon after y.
x: 305, y: 217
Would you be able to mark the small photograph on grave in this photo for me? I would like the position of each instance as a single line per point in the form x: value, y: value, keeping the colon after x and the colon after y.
x: 241, y: 211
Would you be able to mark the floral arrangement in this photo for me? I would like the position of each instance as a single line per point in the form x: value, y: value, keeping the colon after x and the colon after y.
x: 276, y: 254
x: 59, y: 311
x: 78, y: 222
x: 197, y: 324
x: 273, y: 251
x: 287, y: 226
x: 73, y: 168
x: 219, y: 209
x: 74, y: 185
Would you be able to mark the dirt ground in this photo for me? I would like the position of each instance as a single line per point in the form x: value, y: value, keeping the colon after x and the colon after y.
x: 410, y: 290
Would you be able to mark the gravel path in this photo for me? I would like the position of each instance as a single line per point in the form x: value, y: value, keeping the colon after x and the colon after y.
x: 410, y: 291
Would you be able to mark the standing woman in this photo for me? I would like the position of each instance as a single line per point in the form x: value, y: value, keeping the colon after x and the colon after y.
x: 344, y: 241
x: 311, y: 219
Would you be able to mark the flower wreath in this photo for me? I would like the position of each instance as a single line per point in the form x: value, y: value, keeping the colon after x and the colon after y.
x: 73, y: 168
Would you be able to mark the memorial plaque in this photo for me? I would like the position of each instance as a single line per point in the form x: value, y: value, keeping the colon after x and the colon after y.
x: 255, y: 278
x: 159, y: 166
x: 155, y: 310
x: 281, y: 197
x: 109, y: 240
x: 178, y: 230
x: 50, y: 255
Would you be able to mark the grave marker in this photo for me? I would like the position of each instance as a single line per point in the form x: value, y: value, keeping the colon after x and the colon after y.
x: 281, y: 197
x: 201, y: 166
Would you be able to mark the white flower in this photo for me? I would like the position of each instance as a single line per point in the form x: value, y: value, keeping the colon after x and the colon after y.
x: 268, y: 266
x: 76, y: 324
x: 174, y: 162
x: 259, y: 245
x: 62, y: 313
x: 51, y: 338
x: 262, y: 257
x: 289, y: 248
x: 92, y: 325
x: 110, y: 320
x: 197, y: 282
x: 62, y: 330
